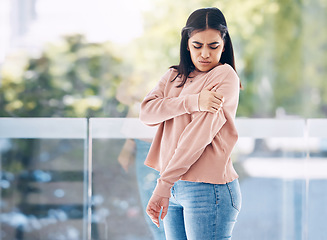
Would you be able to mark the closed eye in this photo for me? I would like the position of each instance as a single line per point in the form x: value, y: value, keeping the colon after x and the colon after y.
x: 212, y: 45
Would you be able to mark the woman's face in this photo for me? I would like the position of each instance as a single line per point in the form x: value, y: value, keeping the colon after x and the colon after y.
x: 205, y: 48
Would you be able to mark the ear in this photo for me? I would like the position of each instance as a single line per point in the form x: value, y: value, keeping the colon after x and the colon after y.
x: 188, y: 49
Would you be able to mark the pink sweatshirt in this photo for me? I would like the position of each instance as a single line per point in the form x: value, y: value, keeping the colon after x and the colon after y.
x: 192, y: 145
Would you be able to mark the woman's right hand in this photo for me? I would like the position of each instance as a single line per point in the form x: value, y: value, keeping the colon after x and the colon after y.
x: 209, y: 100
x: 155, y: 205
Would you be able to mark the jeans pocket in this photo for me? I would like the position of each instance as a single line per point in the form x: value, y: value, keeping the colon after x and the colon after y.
x: 235, y: 193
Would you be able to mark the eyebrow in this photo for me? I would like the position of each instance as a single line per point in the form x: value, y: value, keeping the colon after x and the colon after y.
x: 213, y: 43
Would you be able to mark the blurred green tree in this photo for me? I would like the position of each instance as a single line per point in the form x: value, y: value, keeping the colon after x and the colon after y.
x: 281, y: 65
x: 279, y: 45
x: 71, y: 78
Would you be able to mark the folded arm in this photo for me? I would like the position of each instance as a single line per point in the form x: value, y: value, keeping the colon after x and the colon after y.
x: 198, y: 134
x: 156, y: 108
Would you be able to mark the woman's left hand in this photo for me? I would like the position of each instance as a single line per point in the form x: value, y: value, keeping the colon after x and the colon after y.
x: 156, y: 203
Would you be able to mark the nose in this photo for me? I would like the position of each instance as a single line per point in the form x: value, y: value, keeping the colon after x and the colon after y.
x: 205, y: 53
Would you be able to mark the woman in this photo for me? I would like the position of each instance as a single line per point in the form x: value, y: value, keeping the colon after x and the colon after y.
x: 194, y: 107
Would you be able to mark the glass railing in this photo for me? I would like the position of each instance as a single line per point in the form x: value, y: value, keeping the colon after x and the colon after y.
x: 85, y: 179
x: 44, y: 182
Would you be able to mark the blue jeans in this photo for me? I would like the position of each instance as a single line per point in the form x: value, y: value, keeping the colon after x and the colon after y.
x: 202, y: 210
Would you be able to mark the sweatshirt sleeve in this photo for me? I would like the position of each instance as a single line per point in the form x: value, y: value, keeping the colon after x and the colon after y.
x: 198, y: 134
x: 156, y: 108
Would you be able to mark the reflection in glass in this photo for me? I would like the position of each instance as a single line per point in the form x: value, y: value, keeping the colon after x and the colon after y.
x: 121, y: 190
x: 42, y: 189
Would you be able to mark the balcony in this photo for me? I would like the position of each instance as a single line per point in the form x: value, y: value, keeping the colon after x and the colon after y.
x: 78, y: 178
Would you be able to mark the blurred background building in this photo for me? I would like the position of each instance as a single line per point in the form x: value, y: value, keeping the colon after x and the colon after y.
x: 72, y: 75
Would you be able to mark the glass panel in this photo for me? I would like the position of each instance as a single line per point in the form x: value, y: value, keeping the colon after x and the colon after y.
x: 42, y: 179
x: 122, y: 184
x: 273, y: 187
x: 317, y: 179
x: 270, y: 159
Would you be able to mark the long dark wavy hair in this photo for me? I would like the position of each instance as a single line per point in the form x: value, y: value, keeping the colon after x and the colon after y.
x: 200, y: 20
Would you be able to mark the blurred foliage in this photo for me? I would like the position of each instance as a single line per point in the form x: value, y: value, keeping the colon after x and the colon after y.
x: 71, y: 78
x: 280, y: 48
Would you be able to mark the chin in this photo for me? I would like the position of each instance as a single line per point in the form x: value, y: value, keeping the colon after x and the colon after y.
x: 205, y: 69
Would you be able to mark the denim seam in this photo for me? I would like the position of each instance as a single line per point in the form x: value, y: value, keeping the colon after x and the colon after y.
x: 216, y: 194
x: 174, y: 195
x: 216, y: 215
x: 173, y: 192
x: 232, y: 197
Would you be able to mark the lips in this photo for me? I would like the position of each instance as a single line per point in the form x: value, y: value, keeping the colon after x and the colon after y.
x: 204, y: 62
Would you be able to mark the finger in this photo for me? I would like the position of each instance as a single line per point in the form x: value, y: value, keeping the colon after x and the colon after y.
x: 213, y: 94
x: 215, y: 87
x: 153, y: 206
x: 216, y: 101
x: 219, y: 97
x: 210, y: 86
x: 211, y: 110
x: 215, y: 110
x: 153, y: 212
x: 216, y: 104
x: 164, y: 212
x: 156, y: 221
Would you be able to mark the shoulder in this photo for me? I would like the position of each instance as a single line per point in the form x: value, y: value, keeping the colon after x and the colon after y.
x: 222, y: 73
x: 223, y: 70
x: 167, y: 79
x: 170, y: 74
